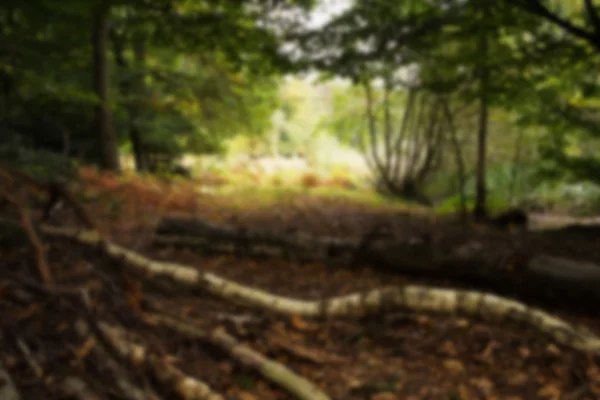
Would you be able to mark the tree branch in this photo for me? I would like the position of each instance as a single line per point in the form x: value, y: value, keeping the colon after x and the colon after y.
x: 535, y: 7
x: 594, y: 16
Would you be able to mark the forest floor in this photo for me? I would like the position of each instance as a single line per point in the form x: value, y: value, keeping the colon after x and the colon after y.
x: 402, y: 355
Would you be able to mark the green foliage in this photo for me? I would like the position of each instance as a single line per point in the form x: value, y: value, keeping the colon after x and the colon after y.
x: 200, y: 101
x: 42, y: 165
x: 582, y: 198
x: 543, y: 78
x: 507, y: 186
x: 559, y: 165
x: 188, y: 76
x: 185, y: 74
x: 348, y: 119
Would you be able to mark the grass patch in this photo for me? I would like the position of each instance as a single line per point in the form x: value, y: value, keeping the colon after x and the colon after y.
x: 260, y: 197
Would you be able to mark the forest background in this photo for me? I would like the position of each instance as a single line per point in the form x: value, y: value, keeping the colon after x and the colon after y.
x: 413, y: 112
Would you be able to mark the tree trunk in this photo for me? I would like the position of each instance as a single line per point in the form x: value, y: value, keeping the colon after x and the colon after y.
x: 460, y: 161
x: 515, y: 177
x: 102, y: 125
x: 489, y: 262
x: 139, y: 52
x: 480, y: 211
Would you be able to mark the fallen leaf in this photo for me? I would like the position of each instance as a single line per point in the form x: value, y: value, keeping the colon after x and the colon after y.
x: 465, y: 393
x: 384, y: 396
x: 483, y: 384
x: 553, y: 349
x: 186, y: 311
x: 449, y: 349
x: 593, y: 372
x: 315, y: 355
x: 225, y: 367
x: 524, y: 352
x: 550, y: 391
x: 462, y: 323
x: 559, y: 370
x: 26, y: 313
x: 354, y: 383
x: 454, y: 366
x: 594, y: 387
x: 63, y: 326
x: 279, y: 326
x: 299, y: 324
x: 518, y: 379
x: 487, y: 354
x: 85, y: 349
x: 246, y: 396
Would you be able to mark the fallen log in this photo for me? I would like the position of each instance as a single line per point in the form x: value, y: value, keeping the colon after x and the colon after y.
x: 209, y: 237
x: 411, y: 297
x: 502, y: 268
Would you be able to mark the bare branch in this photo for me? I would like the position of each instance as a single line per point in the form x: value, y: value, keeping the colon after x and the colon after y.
x: 40, y: 253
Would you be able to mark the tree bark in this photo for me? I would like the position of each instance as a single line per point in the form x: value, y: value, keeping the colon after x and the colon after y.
x: 480, y: 211
x: 139, y: 53
x: 102, y: 125
x: 460, y: 161
x: 416, y: 298
x: 492, y: 263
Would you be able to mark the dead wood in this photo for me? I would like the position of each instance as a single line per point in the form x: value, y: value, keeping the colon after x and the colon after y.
x: 185, y: 386
x: 507, y: 269
x: 411, y: 297
x: 31, y: 361
x: 275, y: 372
x: 78, y: 389
x: 126, y: 385
x: 209, y: 237
x: 20, y: 204
x: 55, y: 191
x: 8, y: 390
x: 302, y: 352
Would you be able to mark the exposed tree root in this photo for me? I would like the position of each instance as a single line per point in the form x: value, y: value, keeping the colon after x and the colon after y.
x: 413, y: 297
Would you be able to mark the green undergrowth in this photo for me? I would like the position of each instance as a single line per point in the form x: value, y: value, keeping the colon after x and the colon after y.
x: 258, y: 197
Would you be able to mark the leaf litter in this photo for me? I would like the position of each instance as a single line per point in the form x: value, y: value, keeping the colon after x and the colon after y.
x: 402, y: 355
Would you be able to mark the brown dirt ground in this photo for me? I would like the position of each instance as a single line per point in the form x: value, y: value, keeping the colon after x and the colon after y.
x: 402, y: 355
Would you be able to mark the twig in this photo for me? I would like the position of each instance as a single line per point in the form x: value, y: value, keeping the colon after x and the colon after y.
x: 187, y: 387
x: 55, y: 191
x: 298, y: 386
x: 8, y: 390
x: 417, y: 298
x: 75, y: 387
x: 118, y: 372
x: 34, y: 239
x: 33, y: 364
